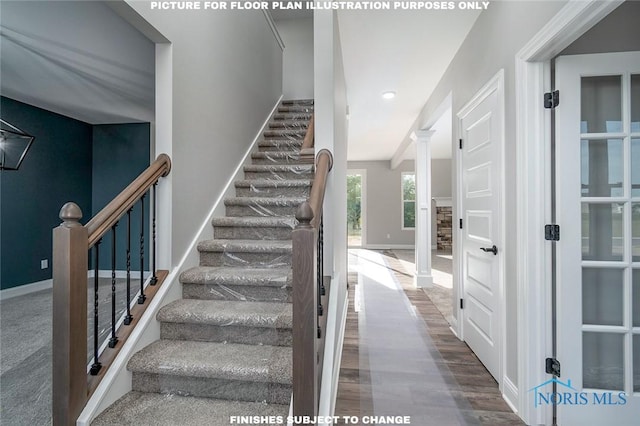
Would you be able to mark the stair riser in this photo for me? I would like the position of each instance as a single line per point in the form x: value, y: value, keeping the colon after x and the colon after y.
x: 285, y: 134
x: 281, y: 146
x: 212, y: 388
x: 261, y: 211
x: 230, y: 333
x: 285, y: 191
x: 279, y: 175
x: 307, y: 102
x: 251, y: 233
x: 289, y: 124
x: 292, y: 116
x: 255, y: 260
x: 276, y: 161
x: 295, y: 109
x: 255, y: 293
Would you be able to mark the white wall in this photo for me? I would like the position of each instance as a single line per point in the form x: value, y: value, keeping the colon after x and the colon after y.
x: 226, y: 77
x: 331, y: 133
x: 491, y: 45
x: 441, y: 177
x: 297, y: 62
x: 618, y: 32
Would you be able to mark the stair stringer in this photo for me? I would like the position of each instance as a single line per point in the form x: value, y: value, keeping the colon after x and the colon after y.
x: 117, y: 381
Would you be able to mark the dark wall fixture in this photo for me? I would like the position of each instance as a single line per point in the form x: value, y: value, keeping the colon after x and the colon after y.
x: 14, y: 144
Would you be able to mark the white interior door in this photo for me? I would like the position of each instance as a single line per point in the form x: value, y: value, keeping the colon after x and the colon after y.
x: 598, y: 255
x: 481, y: 130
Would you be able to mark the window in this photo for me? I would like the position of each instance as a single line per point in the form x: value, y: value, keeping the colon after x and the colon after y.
x: 408, y: 200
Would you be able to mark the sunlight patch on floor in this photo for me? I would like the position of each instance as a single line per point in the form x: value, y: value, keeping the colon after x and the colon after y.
x: 371, y: 265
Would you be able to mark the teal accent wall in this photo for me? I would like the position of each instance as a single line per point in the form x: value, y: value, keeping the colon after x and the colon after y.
x: 120, y: 154
x: 69, y: 161
x: 56, y: 169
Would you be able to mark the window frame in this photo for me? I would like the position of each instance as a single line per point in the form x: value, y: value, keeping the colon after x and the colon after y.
x: 403, y: 201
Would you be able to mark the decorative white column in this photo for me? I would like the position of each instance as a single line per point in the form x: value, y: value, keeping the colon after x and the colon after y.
x: 423, y: 208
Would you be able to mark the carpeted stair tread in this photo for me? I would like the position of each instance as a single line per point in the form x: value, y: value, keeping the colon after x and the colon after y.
x: 298, y: 102
x: 294, y: 134
x: 227, y: 313
x: 304, y: 116
x: 299, y: 109
x: 225, y: 275
x: 246, y: 246
x: 302, y: 168
x: 153, y: 409
x: 270, y: 183
x: 279, y: 144
x: 289, y: 124
x: 227, y: 361
x: 256, y: 222
x: 292, y: 155
x: 264, y: 201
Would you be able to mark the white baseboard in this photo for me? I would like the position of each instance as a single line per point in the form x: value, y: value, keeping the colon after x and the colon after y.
x: 117, y: 380
x: 9, y: 293
x: 510, y: 393
x: 332, y: 351
x: 389, y: 246
x: 21, y: 290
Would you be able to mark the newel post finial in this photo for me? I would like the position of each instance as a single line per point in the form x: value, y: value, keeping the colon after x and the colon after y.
x: 70, y: 214
x: 304, y: 215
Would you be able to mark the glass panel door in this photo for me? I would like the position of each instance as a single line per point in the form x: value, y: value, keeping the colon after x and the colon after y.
x: 605, y: 201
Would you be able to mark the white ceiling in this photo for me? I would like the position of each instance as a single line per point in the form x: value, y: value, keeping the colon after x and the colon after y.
x: 78, y: 59
x: 104, y: 72
x: 403, y: 51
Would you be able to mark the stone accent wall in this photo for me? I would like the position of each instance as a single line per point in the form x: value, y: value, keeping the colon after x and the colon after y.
x: 444, y: 222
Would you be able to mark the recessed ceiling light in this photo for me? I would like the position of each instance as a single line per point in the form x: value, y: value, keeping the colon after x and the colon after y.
x: 388, y: 95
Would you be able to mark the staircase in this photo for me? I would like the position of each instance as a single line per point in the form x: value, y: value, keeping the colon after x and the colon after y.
x: 225, y: 348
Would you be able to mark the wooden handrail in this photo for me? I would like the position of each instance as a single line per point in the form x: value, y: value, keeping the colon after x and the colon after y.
x: 112, y: 212
x: 324, y: 163
x: 309, y: 137
x: 307, y: 364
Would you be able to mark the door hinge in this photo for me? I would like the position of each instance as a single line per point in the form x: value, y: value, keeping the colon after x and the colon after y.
x: 460, y: 223
x: 552, y: 99
x: 461, y: 303
x: 460, y: 143
x: 552, y: 232
x: 552, y: 366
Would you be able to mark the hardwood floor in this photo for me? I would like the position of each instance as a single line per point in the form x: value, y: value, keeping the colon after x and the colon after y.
x: 401, y: 359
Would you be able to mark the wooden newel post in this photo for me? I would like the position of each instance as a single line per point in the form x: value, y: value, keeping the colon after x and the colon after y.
x: 305, y: 320
x: 70, y: 265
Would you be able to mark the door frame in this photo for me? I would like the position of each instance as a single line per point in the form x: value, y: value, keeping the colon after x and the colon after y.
x: 495, y: 84
x: 363, y: 203
x: 534, y: 192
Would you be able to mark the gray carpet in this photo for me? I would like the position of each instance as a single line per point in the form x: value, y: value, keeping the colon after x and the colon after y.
x: 25, y: 350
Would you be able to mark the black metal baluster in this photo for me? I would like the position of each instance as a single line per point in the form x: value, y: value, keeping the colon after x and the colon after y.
x: 114, y: 339
x: 321, y: 253
x: 319, y: 272
x: 142, y: 297
x: 128, y: 318
x: 96, y: 366
x: 154, y: 278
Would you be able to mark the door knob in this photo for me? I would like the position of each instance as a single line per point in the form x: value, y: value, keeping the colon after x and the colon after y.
x: 493, y: 249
